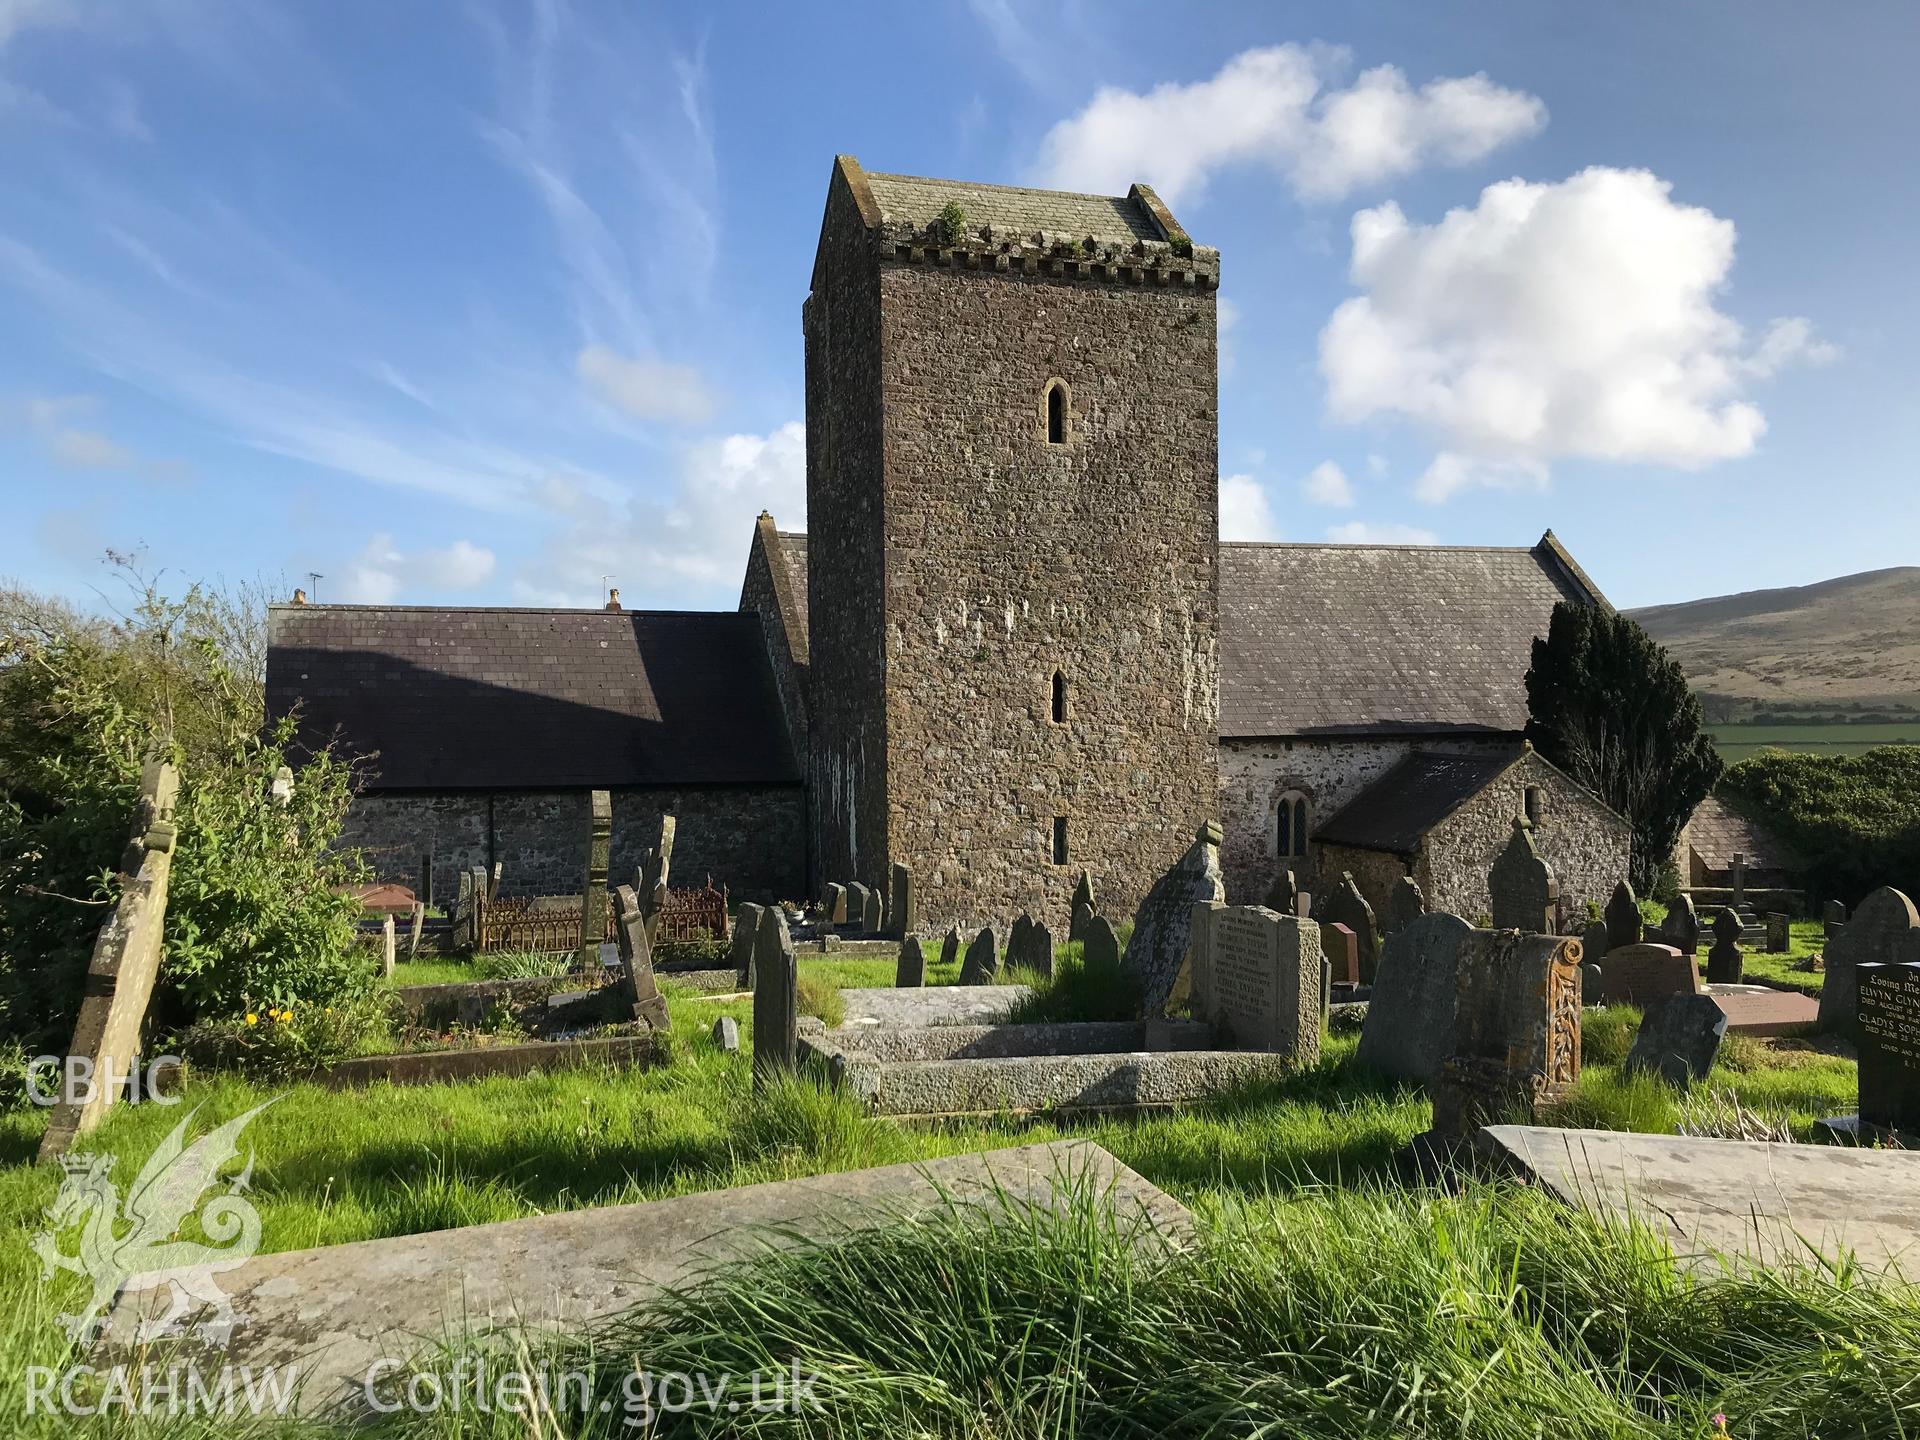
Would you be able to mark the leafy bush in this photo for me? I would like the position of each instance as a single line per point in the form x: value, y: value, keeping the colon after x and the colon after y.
x: 255, y: 919
x: 286, y: 1041
x: 705, y: 953
x: 1855, y: 818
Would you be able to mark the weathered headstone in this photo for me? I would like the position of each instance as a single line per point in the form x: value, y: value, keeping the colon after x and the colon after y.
x: 124, y: 964
x: 636, y: 960
x: 656, y: 870
x: 776, y: 999
x: 911, y: 970
x: 1624, y: 925
x: 464, y: 937
x: 983, y: 959
x: 1516, y: 1043
x: 1256, y: 977
x: 1678, y: 1039
x: 1347, y: 906
x: 1017, y: 939
x: 726, y: 1033
x: 1083, y: 891
x: 1162, y: 925
x: 1682, y: 927
x: 1408, y: 1031
x: 1779, y: 933
x: 1834, y: 917
x: 1725, y: 963
x: 493, y: 879
x: 1883, y: 930
x: 1303, y: 905
x: 1593, y: 942
x: 1521, y: 885
x: 1888, y: 1015
x: 419, y: 924
x: 1078, y: 921
x: 1100, y: 951
x: 1040, y: 949
x: 593, y: 896
x: 950, y: 946
x: 1342, y: 949
x: 871, y: 921
x: 389, y: 946
x: 1640, y: 974
x: 856, y: 905
x: 834, y: 908
x: 1282, y: 893
x: 1405, y: 904
x: 1592, y: 985
x: 903, y: 914
x: 746, y: 928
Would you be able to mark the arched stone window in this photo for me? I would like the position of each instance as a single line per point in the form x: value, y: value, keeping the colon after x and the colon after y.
x: 1292, y: 818
x: 1059, y: 697
x: 1057, y: 406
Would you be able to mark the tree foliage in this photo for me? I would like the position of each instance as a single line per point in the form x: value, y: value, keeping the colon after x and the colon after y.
x: 254, y: 913
x: 1608, y: 706
x: 1854, y: 819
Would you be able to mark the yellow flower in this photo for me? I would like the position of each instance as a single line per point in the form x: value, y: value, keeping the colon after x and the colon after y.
x: 252, y: 1019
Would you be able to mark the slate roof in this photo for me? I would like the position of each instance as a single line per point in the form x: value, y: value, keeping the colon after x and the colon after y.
x: 793, y: 545
x: 507, y: 699
x: 917, y: 201
x: 1398, y: 810
x: 1384, y: 639
x: 1717, y: 832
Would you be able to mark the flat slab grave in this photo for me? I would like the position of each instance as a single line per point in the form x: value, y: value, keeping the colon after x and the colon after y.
x: 1119, y: 1065
x: 1714, y: 1199
x: 1758, y: 1010
x: 337, y: 1311
x: 930, y: 1004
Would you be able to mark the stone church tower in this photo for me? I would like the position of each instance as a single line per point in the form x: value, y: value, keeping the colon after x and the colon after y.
x: 1012, y: 501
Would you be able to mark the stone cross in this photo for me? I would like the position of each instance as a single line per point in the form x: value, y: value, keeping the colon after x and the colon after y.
x: 636, y: 960
x: 1724, y: 961
x: 1883, y: 930
x: 1348, y: 907
x: 776, y: 999
x: 911, y: 972
x: 1739, y: 881
x: 1624, y: 925
x: 1682, y: 927
x: 983, y: 959
x: 1405, y: 904
x: 1522, y: 886
x: 593, y: 897
x: 746, y: 930
x: 903, y: 915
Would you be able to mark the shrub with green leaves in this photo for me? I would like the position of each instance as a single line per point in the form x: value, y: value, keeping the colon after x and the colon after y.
x: 1856, y: 818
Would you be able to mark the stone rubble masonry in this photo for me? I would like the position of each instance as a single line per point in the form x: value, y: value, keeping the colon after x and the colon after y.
x: 125, y: 963
x: 972, y: 560
x: 749, y: 838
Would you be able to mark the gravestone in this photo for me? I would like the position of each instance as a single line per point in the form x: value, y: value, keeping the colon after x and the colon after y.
x: 911, y: 971
x: 746, y: 925
x: 1678, y: 1039
x: 1739, y: 881
x: 1256, y: 977
x: 1040, y: 950
x: 1303, y: 905
x: 1888, y: 1013
x: 464, y: 934
x: 656, y: 870
x: 1282, y: 893
x: 872, y: 921
x: 950, y: 946
x: 1516, y: 1031
x: 1342, y: 949
x: 593, y: 898
x: 1408, y: 1031
x: 1593, y: 942
x: 1883, y: 930
x: 389, y: 947
x: 493, y: 879
x: 856, y: 905
x: 1834, y: 917
x: 834, y: 907
x: 1592, y: 985
x: 1521, y: 885
x: 1725, y: 963
x: 419, y: 924
x: 1162, y: 925
x: 776, y: 1000
x: 726, y: 1033
x: 1640, y: 974
x: 1084, y: 906
x: 1077, y: 922
x: 1405, y: 904
x: 1624, y: 925
x: 1779, y: 933
x: 903, y: 912
x: 983, y: 959
x: 1347, y: 906
x: 1101, y: 949
x: 1018, y: 939
x: 638, y: 987
x: 1682, y: 927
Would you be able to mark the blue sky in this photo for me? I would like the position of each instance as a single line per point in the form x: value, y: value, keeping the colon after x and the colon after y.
x: 477, y: 303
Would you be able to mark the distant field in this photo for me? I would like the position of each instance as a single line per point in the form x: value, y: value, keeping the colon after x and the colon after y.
x: 1737, y: 742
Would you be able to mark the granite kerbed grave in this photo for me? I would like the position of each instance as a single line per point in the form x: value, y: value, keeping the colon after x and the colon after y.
x: 1713, y: 1199
x: 336, y: 1312
x: 930, y: 1005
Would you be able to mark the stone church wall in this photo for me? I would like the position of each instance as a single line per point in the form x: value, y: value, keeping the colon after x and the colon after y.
x: 749, y: 838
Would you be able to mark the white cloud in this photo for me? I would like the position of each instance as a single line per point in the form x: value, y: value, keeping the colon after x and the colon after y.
x: 1282, y: 107
x: 1327, y: 484
x: 378, y: 573
x: 1574, y: 319
x: 1362, y: 532
x: 1789, y: 341
x: 683, y: 552
x: 19, y: 15
x: 1245, y: 513
x: 89, y: 450
x: 1376, y: 465
x: 647, y: 388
